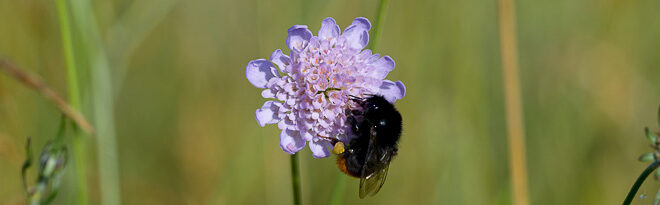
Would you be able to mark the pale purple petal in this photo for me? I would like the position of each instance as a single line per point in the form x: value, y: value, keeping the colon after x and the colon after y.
x: 382, y: 67
x: 280, y: 59
x: 329, y: 29
x: 259, y: 71
x: 307, y: 136
x: 392, y: 91
x: 290, y: 141
x: 298, y: 37
x: 268, y: 113
x: 286, y: 124
x: 362, y: 22
x: 320, y: 148
x: 268, y: 93
x: 368, y: 57
x: 357, y: 34
x: 365, y: 54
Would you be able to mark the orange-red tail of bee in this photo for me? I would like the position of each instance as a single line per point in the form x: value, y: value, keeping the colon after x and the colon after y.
x: 341, y: 164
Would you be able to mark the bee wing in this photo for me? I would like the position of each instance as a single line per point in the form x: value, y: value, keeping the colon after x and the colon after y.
x: 371, y: 184
x: 374, y: 170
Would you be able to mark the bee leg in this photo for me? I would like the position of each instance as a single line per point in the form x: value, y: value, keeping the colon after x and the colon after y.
x: 357, y: 99
x: 333, y: 141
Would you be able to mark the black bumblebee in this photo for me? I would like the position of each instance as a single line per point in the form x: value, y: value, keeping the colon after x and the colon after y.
x: 377, y: 125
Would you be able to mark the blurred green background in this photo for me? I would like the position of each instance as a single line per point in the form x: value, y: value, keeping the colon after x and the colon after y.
x: 184, y: 112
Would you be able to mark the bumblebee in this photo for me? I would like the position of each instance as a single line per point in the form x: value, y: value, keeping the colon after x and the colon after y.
x: 377, y: 125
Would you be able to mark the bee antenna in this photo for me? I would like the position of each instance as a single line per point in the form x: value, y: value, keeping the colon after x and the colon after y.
x: 332, y: 140
x: 355, y: 98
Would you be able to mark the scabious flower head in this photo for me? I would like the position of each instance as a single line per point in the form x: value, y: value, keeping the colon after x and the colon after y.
x: 312, y: 86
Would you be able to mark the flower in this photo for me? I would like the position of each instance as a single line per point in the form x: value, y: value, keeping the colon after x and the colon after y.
x: 312, y: 86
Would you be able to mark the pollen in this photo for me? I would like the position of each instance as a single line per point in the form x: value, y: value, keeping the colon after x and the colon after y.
x: 339, y: 148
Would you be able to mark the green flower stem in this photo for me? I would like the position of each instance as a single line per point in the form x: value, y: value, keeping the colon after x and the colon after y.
x: 102, y: 102
x: 640, y: 180
x: 378, y: 26
x: 74, y: 100
x: 67, y: 45
x: 295, y: 179
x: 338, y: 191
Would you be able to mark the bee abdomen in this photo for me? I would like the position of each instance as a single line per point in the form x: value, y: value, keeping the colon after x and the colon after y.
x: 341, y: 164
